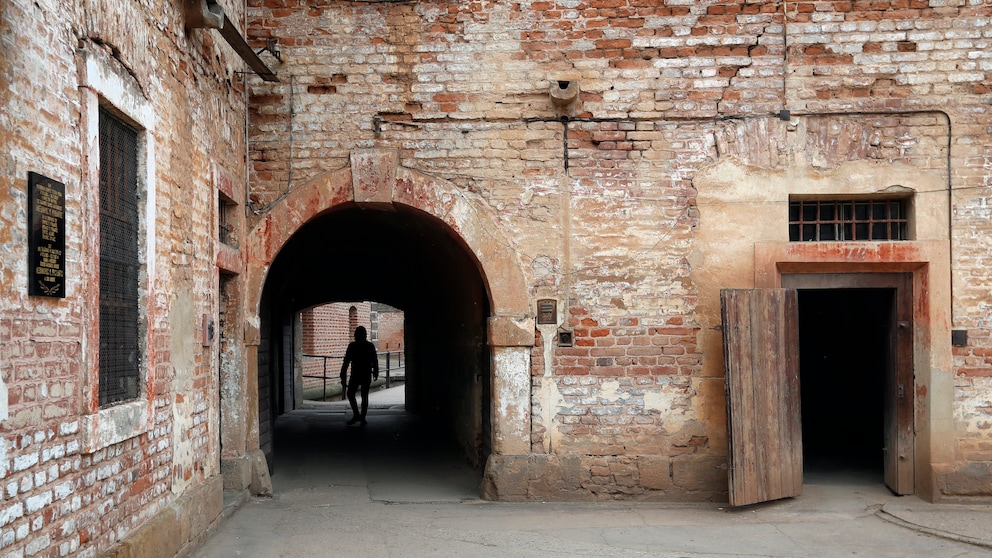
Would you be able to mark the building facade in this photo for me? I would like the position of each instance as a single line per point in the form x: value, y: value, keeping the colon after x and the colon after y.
x: 565, y: 198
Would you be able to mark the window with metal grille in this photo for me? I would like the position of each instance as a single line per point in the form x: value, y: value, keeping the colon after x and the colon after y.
x: 861, y: 219
x: 120, y: 349
x: 226, y: 209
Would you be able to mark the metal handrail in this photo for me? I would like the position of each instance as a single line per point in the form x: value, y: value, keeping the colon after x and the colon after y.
x: 336, y: 377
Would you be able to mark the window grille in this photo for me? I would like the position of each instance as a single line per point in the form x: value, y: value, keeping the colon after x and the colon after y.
x: 826, y: 220
x: 120, y: 351
x: 225, y: 219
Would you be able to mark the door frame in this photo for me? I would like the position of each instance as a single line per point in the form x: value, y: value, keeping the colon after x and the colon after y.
x: 929, y: 263
x: 899, y: 400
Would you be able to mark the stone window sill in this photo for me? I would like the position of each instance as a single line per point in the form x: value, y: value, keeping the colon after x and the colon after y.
x: 115, y: 424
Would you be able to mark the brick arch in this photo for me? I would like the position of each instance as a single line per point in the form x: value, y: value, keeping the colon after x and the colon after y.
x: 376, y: 179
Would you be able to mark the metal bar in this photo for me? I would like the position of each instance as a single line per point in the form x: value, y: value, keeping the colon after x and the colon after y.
x: 387, y: 369
x: 859, y: 224
x: 244, y: 50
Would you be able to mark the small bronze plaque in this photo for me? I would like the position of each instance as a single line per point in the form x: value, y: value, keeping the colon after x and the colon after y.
x: 547, y: 311
x: 46, y: 236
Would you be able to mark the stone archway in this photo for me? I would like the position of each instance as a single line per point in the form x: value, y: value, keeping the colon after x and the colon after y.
x: 375, y: 180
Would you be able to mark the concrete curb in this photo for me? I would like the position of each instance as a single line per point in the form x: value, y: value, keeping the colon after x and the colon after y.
x: 896, y: 520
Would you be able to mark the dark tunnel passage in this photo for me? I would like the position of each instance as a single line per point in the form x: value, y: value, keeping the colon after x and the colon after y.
x: 412, y: 261
x: 844, y: 353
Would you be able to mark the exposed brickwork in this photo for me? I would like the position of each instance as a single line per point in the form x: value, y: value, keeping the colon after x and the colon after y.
x: 390, y: 331
x: 598, y: 201
x: 58, y: 499
x: 666, y: 90
x: 327, y: 332
x: 972, y: 410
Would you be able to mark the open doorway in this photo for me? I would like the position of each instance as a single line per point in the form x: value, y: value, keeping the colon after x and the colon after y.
x: 856, y: 376
x: 844, y: 347
x: 858, y: 364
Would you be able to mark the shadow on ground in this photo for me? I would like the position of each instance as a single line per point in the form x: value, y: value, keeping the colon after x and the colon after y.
x: 398, y: 456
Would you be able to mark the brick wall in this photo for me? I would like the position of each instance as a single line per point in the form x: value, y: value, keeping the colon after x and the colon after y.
x: 326, y: 331
x: 390, y: 330
x: 608, y: 224
x: 59, y: 498
x: 600, y: 209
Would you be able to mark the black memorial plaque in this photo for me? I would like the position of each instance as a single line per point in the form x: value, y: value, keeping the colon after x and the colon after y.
x: 46, y: 236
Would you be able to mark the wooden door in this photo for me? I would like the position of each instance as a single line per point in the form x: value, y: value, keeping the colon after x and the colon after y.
x: 761, y: 361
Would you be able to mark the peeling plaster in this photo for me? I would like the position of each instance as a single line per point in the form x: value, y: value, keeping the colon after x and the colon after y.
x: 4, y: 401
x: 511, y: 401
x: 4, y: 462
x: 4, y: 409
x: 182, y: 318
x: 549, y: 395
x: 670, y: 403
x: 973, y: 411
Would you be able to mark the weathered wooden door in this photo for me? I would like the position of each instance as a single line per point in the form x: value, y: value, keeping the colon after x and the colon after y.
x: 761, y: 361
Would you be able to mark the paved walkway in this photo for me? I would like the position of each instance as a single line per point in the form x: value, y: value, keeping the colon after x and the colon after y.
x: 394, y: 489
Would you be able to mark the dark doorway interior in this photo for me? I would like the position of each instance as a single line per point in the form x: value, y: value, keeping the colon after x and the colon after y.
x: 845, y: 348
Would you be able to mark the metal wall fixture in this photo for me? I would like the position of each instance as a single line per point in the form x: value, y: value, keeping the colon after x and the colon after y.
x: 207, y: 14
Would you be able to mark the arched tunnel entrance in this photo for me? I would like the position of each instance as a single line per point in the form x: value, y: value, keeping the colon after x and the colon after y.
x: 410, y: 260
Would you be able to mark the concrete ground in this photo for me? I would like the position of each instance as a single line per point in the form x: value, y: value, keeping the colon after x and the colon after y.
x: 395, y: 489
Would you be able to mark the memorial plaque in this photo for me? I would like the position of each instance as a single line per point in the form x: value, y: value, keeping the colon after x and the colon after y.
x: 46, y: 236
x: 547, y: 311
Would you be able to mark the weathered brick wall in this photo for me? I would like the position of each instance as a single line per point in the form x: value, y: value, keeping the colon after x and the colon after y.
x: 327, y: 331
x: 59, y: 500
x: 604, y: 218
x: 914, y: 55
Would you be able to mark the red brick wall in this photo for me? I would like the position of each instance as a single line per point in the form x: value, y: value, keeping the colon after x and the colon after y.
x: 61, y: 499
x: 667, y: 89
x: 390, y: 331
x: 326, y: 332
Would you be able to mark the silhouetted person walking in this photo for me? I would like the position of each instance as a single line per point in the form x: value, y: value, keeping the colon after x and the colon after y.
x: 364, y: 368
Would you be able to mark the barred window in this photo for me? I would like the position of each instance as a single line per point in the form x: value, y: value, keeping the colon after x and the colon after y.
x: 226, y: 210
x: 120, y: 349
x: 860, y: 219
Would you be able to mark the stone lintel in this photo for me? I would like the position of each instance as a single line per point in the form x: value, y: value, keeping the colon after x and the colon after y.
x: 229, y: 259
x: 225, y: 182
